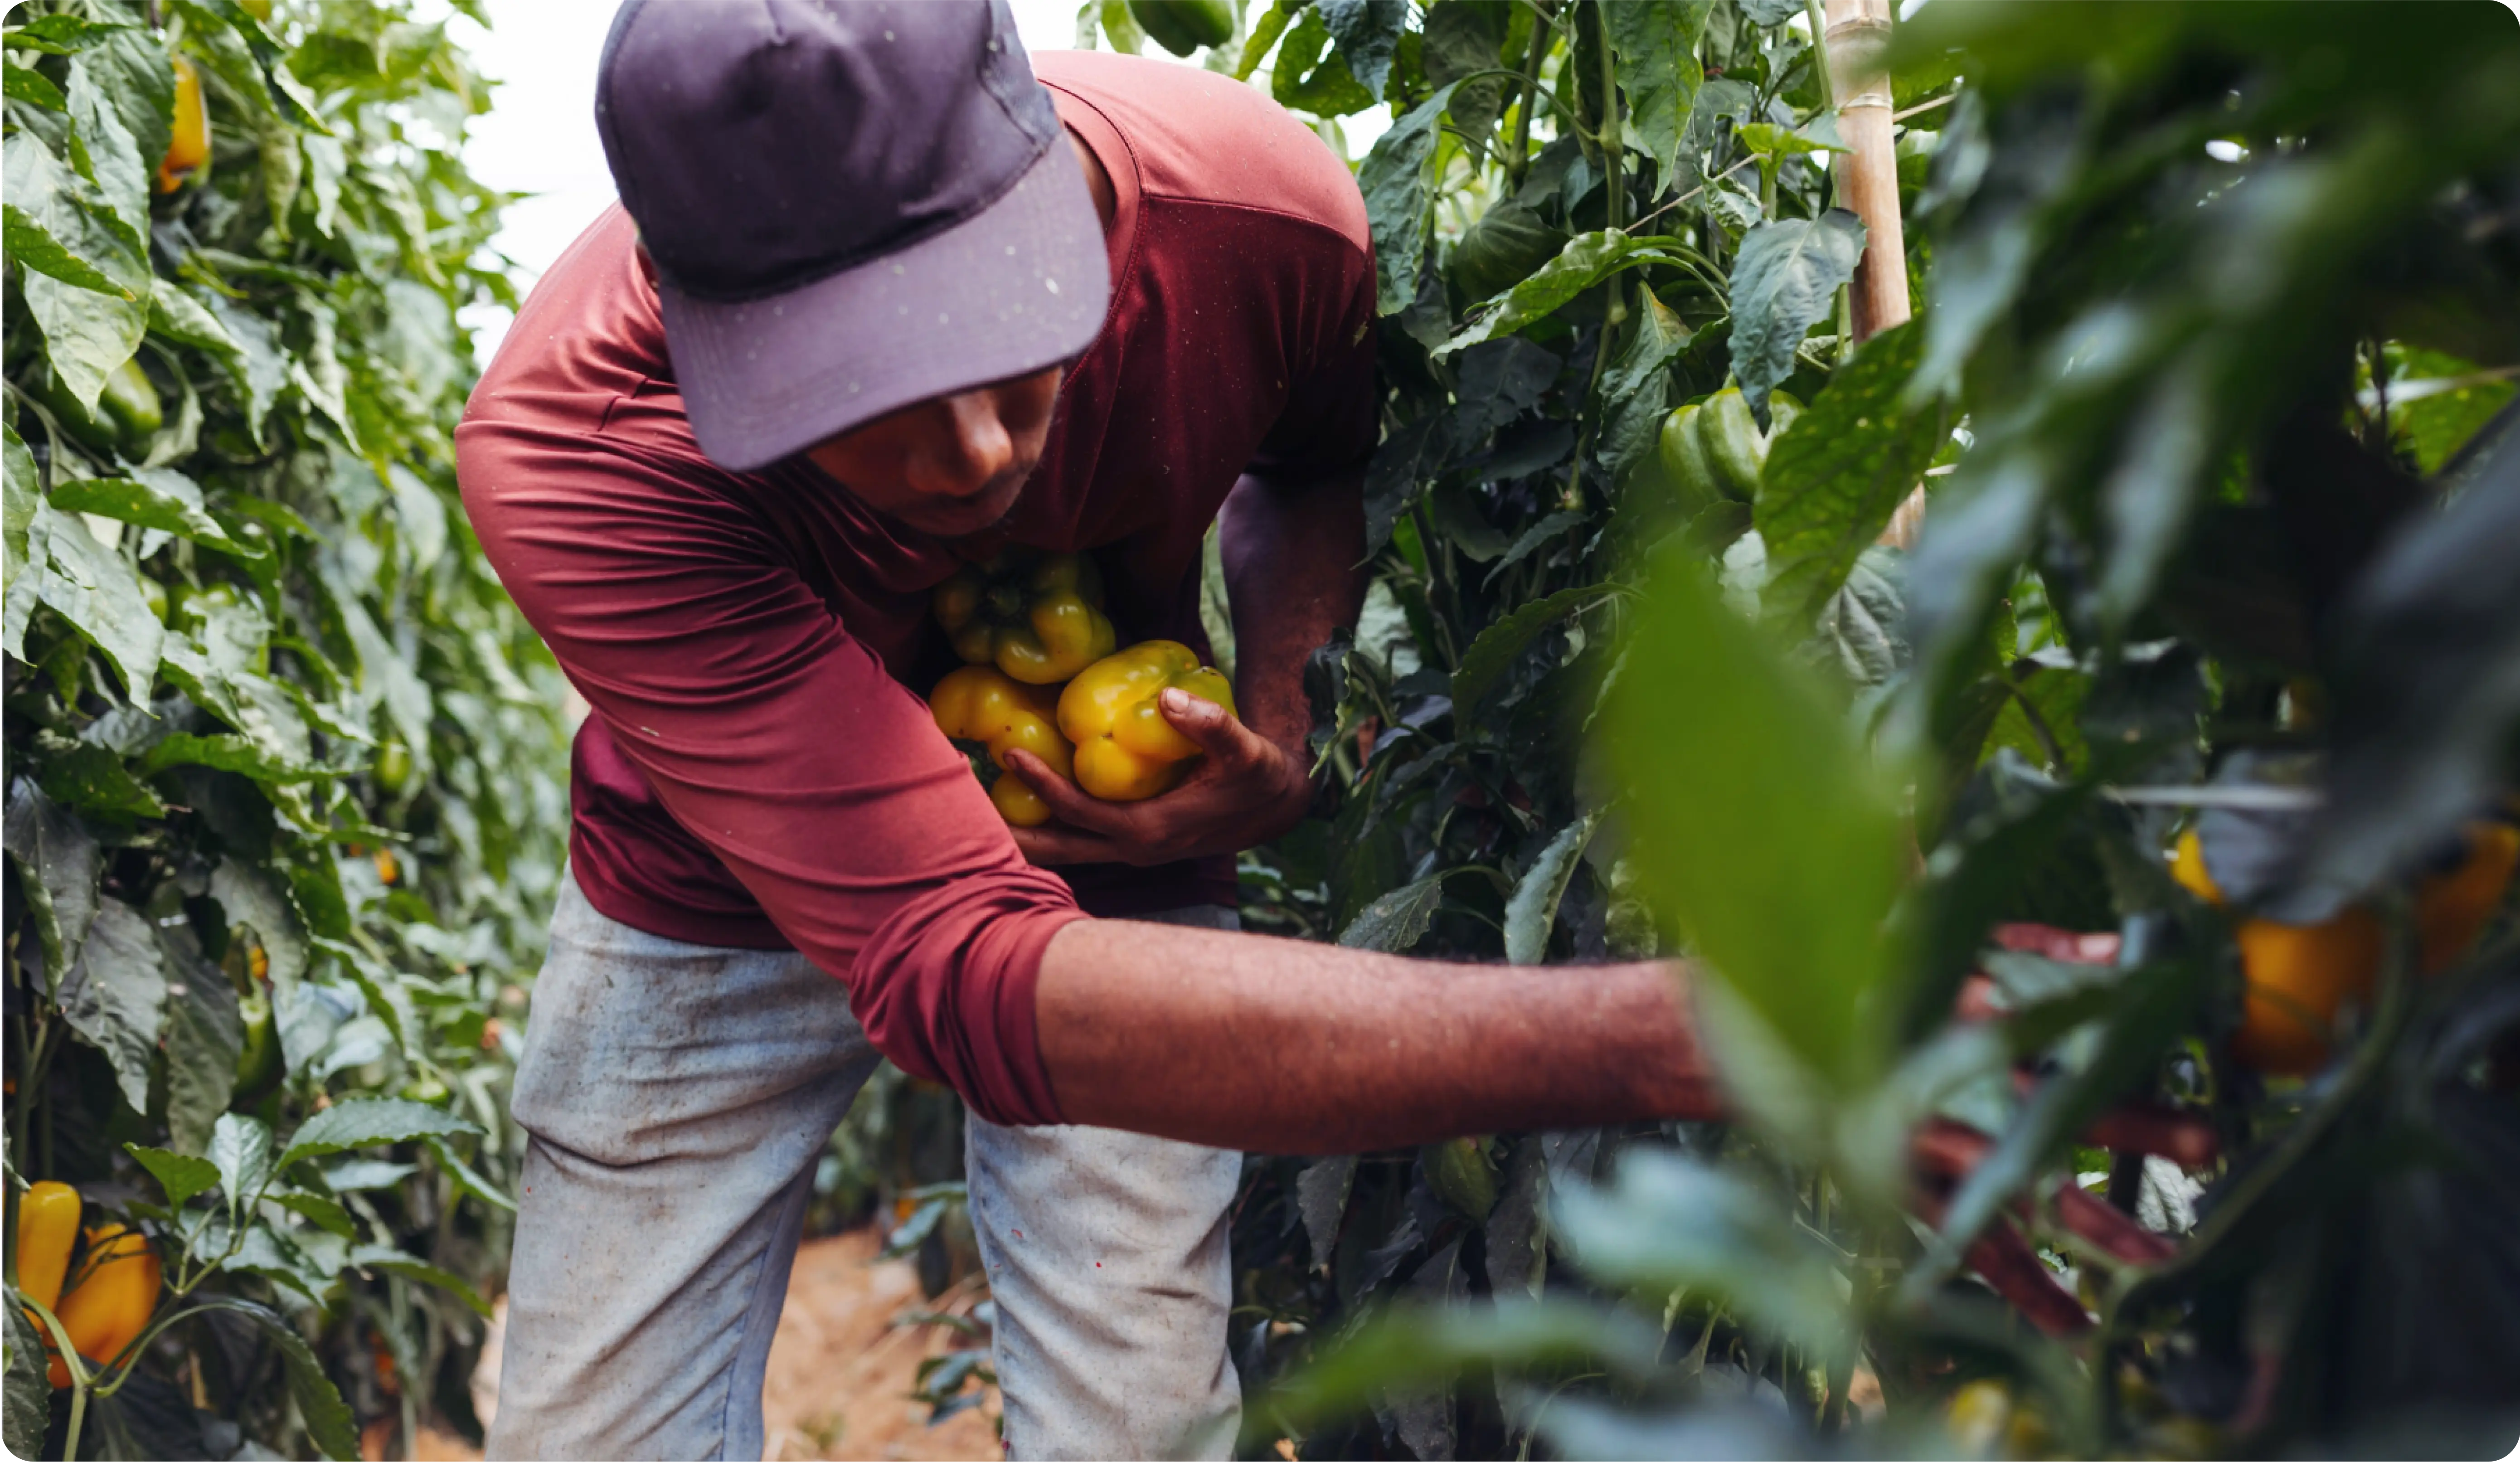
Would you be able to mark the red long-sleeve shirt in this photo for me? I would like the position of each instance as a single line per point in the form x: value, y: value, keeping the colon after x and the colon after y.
x: 758, y: 770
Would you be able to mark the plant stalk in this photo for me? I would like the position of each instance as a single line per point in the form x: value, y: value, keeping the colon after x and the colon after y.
x: 1519, y: 163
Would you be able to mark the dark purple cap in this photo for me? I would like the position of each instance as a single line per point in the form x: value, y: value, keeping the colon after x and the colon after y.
x: 851, y: 205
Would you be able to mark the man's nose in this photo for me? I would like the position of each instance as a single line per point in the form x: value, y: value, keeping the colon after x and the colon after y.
x: 983, y: 448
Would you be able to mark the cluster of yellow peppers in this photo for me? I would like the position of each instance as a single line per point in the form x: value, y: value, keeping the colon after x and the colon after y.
x: 2300, y: 977
x: 1027, y: 622
x: 115, y: 1292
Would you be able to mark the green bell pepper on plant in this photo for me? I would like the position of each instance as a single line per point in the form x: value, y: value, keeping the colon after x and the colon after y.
x: 1712, y: 450
x: 1181, y: 26
x: 127, y: 411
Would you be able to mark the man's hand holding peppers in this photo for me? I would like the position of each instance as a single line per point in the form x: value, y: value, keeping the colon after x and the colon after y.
x: 1243, y: 790
x: 1292, y: 549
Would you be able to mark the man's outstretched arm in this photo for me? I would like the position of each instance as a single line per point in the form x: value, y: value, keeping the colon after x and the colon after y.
x: 1278, y: 1045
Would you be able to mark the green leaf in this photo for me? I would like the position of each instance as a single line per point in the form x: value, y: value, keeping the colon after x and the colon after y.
x: 105, y: 149
x: 57, y: 865
x: 251, y: 900
x: 1499, y: 252
x: 28, y: 1395
x: 260, y: 365
x: 1636, y: 393
x: 240, y: 1149
x: 1265, y: 32
x: 1321, y: 1201
x: 152, y: 497
x: 2438, y: 422
x: 178, y: 316
x: 1411, y: 1347
x: 1532, y: 910
x: 1501, y: 644
x: 59, y: 35
x: 1784, y: 280
x: 93, y: 780
x: 395, y: 1262
x: 25, y: 83
x: 114, y: 995
x: 1398, y: 919
x: 1655, y: 42
x: 329, y: 1422
x: 95, y: 588
x: 1308, y: 75
x: 322, y: 1211
x: 1839, y: 471
x: 18, y: 477
x: 1366, y: 32
x: 234, y: 753
x: 346, y: 1125
x: 88, y: 286
x: 1859, y: 626
x: 356, y: 1175
x: 183, y: 1177
x: 137, y: 77
x: 1763, y: 830
x: 204, y: 1034
x: 1585, y: 262
x: 1668, y: 1223
x: 1771, y: 140
x: 2425, y: 697
x: 1536, y: 537
x: 1395, y: 179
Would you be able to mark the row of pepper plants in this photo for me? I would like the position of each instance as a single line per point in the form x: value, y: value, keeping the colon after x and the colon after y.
x: 285, y: 795
x: 2209, y: 391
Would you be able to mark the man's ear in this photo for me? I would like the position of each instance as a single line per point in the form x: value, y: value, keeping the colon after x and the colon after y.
x: 647, y: 265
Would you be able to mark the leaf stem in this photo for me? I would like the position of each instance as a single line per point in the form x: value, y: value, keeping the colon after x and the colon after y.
x: 1541, y: 29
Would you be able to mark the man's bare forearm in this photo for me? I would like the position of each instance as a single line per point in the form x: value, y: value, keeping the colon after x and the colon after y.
x: 1291, y: 553
x: 1278, y: 1045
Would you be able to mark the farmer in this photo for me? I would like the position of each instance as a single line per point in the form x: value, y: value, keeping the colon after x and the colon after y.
x: 879, y: 299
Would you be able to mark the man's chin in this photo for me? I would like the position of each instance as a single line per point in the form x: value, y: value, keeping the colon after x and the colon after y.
x: 966, y: 517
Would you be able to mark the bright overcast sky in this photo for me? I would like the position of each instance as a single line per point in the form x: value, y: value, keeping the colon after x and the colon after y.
x: 539, y: 137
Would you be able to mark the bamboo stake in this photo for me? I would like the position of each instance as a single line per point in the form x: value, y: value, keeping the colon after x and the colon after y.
x: 1867, y: 182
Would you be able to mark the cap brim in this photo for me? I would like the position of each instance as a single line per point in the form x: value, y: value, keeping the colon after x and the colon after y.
x: 1021, y: 285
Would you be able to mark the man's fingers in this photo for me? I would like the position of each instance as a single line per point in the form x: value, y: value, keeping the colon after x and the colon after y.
x: 1068, y: 801
x: 2113, y: 1233
x: 1228, y: 741
x: 2004, y: 1260
x: 1945, y: 1149
x: 2062, y: 945
x: 2185, y: 1140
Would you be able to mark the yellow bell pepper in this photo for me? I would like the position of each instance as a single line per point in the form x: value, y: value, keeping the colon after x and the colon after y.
x: 190, y: 146
x: 108, y: 1309
x: 2300, y: 977
x: 1126, y: 752
x: 982, y: 704
x: 48, y: 1218
x: 1037, y: 616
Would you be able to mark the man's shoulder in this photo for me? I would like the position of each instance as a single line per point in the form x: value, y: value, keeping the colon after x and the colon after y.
x: 1200, y: 137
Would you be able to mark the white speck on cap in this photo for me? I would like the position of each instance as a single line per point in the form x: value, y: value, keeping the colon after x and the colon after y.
x: 1053, y: 283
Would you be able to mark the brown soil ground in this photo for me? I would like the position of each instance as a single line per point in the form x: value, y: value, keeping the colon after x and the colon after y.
x: 841, y: 1369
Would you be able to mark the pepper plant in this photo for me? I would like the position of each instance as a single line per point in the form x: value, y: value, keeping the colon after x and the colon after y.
x: 285, y: 798
x: 2209, y: 395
